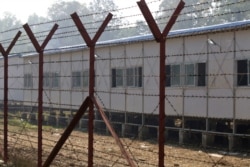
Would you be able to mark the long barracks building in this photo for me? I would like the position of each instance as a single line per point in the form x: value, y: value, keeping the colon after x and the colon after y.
x: 207, y: 83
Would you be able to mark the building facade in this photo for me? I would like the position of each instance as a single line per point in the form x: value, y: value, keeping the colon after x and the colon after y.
x: 207, y: 80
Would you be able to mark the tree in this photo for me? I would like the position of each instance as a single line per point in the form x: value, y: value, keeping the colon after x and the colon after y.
x: 40, y: 27
x: 62, y: 9
x: 188, y: 18
x: 8, y: 23
x: 35, y: 19
x: 140, y: 28
x: 101, y: 8
x: 232, y: 10
x: 67, y: 33
x: 202, y: 12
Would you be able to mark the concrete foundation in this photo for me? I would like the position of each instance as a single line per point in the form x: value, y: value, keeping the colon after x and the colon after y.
x: 233, y: 143
x: 24, y: 116
x: 118, y: 128
x: 100, y: 127
x: 126, y: 130
x: 143, y: 132
x: 32, y: 118
x: 181, y: 136
x: 83, y: 124
x: 206, y: 132
x: 207, y: 139
x: 51, y: 120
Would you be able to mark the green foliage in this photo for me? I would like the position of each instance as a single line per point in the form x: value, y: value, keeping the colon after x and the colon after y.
x: 199, y: 13
x: 7, y: 22
x: 101, y: 8
x: 20, y: 123
x: 141, y: 28
x: 195, y: 14
x: 233, y: 10
x: 60, y: 12
x: 62, y: 9
x: 19, y: 161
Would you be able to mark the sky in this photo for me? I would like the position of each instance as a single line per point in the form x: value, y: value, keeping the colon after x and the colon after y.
x: 23, y: 8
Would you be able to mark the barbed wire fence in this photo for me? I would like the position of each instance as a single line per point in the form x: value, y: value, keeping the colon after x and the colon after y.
x: 22, y: 119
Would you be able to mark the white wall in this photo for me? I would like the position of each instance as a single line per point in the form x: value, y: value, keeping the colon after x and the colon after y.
x: 242, y: 101
x: 215, y: 100
x: 15, y: 82
x: 1, y: 78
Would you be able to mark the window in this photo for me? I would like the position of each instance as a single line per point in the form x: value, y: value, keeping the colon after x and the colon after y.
x: 55, y: 79
x: 138, y: 77
x: 189, y: 74
x: 201, y: 74
x: 173, y: 75
x: 243, y: 72
x: 134, y: 77
x: 130, y: 77
x: 168, y: 75
x: 76, y: 79
x: 28, y: 81
x: 194, y: 75
x: 117, y: 77
x: 248, y: 72
x: 51, y: 80
x: 80, y: 79
x: 85, y: 78
x: 46, y: 79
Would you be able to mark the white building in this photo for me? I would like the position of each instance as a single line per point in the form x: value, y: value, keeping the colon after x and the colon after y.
x: 15, y: 81
x: 207, y: 82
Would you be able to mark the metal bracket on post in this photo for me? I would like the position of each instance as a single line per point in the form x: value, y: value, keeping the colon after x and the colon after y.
x: 112, y: 131
x: 40, y: 50
x: 5, y: 55
x: 161, y: 38
x: 67, y: 132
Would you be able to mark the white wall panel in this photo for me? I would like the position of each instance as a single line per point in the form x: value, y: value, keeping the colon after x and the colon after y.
x: 134, y: 100
x: 118, y: 100
x: 173, y: 102
x: 134, y: 55
x: 195, y: 102
x: 242, y: 104
x: 151, y: 67
x: 151, y: 102
x: 221, y: 71
x: 174, y: 51
x: 219, y: 105
x: 77, y: 98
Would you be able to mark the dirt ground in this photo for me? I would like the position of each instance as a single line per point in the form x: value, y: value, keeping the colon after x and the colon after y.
x: 23, y: 152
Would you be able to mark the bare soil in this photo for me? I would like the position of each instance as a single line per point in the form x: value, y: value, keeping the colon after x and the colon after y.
x: 23, y: 152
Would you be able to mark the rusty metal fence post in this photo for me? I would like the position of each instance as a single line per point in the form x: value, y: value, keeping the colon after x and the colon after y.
x: 160, y: 38
x: 40, y: 50
x: 5, y: 56
x: 91, y: 44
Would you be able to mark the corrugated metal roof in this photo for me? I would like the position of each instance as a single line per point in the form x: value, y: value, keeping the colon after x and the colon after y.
x: 149, y: 37
x: 12, y: 55
x: 183, y: 32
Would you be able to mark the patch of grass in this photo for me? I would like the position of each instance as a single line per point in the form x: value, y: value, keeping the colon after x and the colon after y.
x: 16, y: 122
x: 18, y: 161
